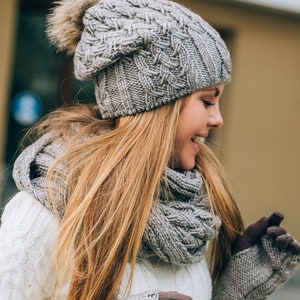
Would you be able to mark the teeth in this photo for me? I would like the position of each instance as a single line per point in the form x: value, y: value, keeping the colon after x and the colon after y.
x: 198, y: 139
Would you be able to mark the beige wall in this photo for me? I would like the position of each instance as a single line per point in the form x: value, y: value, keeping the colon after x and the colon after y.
x: 8, y: 10
x: 260, y: 141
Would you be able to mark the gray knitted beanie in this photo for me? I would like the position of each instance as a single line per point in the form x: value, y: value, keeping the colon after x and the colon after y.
x: 146, y: 53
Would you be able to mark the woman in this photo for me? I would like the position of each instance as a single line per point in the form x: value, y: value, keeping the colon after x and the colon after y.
x: 125, y: 197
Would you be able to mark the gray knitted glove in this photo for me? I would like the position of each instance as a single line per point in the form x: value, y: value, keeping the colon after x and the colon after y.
x: 265, y: 257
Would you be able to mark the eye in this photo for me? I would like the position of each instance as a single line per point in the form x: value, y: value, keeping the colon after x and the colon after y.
x: 207, y: 103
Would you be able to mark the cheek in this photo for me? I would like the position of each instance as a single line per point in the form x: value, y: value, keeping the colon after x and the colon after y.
x: 181, y: 132
x: 178, y: 142
x: 182, y: 143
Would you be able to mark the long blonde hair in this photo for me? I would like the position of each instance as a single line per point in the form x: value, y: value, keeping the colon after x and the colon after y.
x: 114, y: 168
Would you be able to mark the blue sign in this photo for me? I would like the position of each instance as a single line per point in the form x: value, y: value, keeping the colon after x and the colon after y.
x: 27, y: 108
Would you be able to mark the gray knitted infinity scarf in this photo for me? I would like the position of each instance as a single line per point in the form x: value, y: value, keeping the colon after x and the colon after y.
x: 180, y: 223
x: 31, y: 167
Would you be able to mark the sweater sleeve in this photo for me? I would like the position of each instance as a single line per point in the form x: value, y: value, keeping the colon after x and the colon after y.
x: 27, y: 242
x: 256, y: 272
x: 151, y: 295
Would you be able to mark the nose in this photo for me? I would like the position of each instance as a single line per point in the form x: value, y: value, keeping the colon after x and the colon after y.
x: 216, y: 119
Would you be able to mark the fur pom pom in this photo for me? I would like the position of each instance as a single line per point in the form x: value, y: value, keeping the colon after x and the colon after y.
x: 64, y: 23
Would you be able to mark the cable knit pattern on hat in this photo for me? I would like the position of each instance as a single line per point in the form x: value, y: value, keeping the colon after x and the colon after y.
x: 143, y: 54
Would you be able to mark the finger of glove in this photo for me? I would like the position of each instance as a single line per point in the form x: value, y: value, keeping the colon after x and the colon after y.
x: 283, y: 241
x: 275, y: 219
x: 257, y: 229
x: 294, y: 248
x: 275, y: 231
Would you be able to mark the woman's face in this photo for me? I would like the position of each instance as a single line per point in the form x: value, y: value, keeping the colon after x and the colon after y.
x: 200, y: 113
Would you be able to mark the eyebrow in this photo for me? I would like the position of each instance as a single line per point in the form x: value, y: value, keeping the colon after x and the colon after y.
x: 217, y: 91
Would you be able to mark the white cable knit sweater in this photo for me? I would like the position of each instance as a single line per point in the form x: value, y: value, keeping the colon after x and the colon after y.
x: 27, y: 242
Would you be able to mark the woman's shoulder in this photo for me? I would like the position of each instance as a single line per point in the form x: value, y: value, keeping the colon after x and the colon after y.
x: 24, y: 210
x: 28, y: 225
x: 27, y: 238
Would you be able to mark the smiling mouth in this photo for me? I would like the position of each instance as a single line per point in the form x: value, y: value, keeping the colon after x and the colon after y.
x: 198, y: 139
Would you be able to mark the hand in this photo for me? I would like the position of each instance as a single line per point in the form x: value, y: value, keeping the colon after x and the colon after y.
x: 282, y: 239
x: 271, y: 227
x: 173, y: 296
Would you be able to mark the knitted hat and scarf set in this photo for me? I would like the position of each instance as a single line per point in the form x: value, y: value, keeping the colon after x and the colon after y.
x: 141, y: 54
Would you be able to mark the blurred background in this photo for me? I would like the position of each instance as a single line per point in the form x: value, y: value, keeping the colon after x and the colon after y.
x: 260, y: 140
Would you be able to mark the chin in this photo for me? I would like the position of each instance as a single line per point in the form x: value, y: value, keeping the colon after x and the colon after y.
x: 188, y: 166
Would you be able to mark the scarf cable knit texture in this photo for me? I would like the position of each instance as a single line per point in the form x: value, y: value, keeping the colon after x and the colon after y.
x: 180, y: 224
x: 143, y: 54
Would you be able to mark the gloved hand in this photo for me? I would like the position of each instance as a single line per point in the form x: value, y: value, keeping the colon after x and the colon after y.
x: 173, y: 296
x: 271, y: 227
